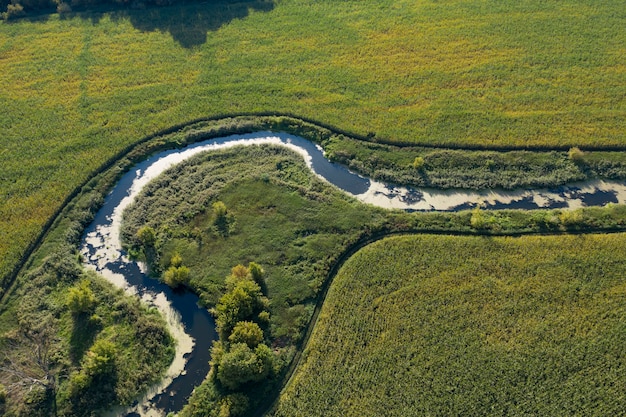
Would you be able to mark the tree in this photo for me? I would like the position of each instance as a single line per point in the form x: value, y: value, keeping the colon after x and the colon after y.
x: 257, y: 273
x: 242, y: 365
x: 80, y: 298
x: 147, y: 236
x: 237, y: 305
x: 253, y: 272
x: 223, y: 220
x: 177, y: 274
x: 247, y: 332
x: 100, y: 359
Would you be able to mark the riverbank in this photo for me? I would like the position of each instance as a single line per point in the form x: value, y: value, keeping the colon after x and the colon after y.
x: 78, y: 213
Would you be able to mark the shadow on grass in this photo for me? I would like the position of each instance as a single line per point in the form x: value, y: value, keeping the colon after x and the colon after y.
x: 83, y: 336
x: 189, y: 24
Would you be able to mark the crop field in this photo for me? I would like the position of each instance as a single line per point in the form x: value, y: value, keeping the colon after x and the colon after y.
x: 78, y: 88
x: 530, y: 325
x: 496, y: 326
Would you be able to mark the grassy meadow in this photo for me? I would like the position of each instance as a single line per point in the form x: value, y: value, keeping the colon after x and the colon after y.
x: 76, y: 89
x: 496, y: 326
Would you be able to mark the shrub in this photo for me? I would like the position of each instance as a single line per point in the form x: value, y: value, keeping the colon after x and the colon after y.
x: 571, y: 217
x: 242, y: 365
x: 233, y: 405
x: 80, y: 299
x: 576, y: 155
x: 418, y: 162
x: 247, y: 332
x: 223, y: 220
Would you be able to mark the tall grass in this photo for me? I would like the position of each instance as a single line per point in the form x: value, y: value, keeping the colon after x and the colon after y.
x: 496, y: 326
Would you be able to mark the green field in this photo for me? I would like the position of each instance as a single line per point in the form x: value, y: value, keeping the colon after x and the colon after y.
x: 78, y: 88
x: 496, y: 326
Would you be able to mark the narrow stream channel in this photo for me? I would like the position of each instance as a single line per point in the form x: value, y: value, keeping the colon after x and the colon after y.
x: 191, y: 325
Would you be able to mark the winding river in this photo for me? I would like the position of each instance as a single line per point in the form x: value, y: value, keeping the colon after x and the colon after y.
x: 192, y: 326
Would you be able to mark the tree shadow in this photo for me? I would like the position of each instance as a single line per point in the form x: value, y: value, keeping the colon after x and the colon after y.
x: 84, y: 332
x: 189, y: 23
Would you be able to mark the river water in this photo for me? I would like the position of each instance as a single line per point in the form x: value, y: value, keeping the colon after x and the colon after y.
x: 192, y: 326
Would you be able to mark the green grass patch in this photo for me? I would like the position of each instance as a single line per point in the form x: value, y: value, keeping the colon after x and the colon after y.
x: 284, y: 218
x: 496, y: 326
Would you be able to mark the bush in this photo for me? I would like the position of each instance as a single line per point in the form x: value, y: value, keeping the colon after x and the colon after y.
x: 13, y: 11
x: 242, y: 365
x: 247, y: 332
x: 576, y: 155
x: 223, y: 220
x: 418, y: 162
x: 80, y: 299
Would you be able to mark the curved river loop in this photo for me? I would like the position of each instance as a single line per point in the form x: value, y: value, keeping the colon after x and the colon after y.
x: 191, y: 325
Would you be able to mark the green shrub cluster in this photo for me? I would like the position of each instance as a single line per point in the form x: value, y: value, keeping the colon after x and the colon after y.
x: 242, y: 364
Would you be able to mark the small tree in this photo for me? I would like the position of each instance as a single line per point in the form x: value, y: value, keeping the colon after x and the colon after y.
x: 478, y: 220
x: 242, y: 365
x: 177, y: 274
x: 257, y: 273
x: 100, y: 359
x: 223, y: 220
x: 80, y: 298
x: 147, y: 236
x: 247, y: 332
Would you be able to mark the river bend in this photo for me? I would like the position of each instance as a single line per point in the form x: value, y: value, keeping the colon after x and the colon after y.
x: 191, y: 325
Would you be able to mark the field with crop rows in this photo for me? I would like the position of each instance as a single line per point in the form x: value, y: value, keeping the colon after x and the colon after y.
x: 444, y: 325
